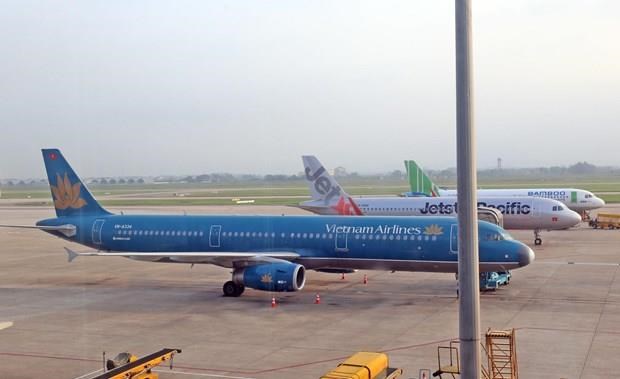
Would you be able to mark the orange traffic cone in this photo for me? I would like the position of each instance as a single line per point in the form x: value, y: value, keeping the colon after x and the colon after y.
x: 317, y: 299
x: 342, y: 277
x: 365, y: 279
x: 273, y: 302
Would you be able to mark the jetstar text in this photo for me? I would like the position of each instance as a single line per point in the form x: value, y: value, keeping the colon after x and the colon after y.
x: 509, y: 208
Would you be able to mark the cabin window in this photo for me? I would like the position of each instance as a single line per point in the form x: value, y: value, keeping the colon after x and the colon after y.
x: 398, y: 238
x: 357, y: 236
x: 405, y: 238
x: 363, y: 236
x: 305, y: 235
x: 391, y: 237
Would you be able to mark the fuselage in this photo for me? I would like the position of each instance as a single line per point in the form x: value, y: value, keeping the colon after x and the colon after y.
x: 391, y: 243
x: 529, y: 213
x: 576, y: 199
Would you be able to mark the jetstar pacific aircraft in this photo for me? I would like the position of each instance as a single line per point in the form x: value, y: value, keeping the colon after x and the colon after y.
x: 269, y: 253
x: 518, y: 212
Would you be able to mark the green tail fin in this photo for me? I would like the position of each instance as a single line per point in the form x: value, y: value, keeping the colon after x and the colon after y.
x: 419, y: 181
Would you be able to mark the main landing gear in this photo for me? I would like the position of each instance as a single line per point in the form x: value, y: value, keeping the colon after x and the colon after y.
x: 537, y: 239
x: 232, y: 289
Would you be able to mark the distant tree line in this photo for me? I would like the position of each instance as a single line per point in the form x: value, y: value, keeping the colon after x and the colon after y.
x: 445, y: 175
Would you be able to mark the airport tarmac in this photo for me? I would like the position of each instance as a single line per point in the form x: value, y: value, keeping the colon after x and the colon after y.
x: 565, y: 307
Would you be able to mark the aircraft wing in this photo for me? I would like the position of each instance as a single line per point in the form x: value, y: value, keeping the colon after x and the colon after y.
x: 224, y: 259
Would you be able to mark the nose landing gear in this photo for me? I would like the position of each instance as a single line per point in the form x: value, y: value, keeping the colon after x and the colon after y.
x: 537, y: 239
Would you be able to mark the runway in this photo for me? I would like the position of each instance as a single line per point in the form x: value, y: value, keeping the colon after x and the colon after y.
x: 565, y: 307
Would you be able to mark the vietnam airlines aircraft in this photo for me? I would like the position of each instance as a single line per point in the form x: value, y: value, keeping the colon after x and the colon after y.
x: 578, y: 200
x: 269, y: 253
x: 519, y: 212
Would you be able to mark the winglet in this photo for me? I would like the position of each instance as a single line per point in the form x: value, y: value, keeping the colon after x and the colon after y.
x: 71, y: 255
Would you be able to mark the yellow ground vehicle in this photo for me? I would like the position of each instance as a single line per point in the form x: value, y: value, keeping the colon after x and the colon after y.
x: 606, y: 221
x: 364, y: 365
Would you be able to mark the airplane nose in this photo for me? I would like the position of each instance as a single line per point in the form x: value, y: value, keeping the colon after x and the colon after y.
x: 599, y: 202
x: 573, y: 219
x: 526, y: 255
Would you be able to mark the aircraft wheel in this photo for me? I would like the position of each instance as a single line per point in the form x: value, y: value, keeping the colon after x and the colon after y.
x: 230, y: 289
x: 240, y: 289
x: 538, y: 241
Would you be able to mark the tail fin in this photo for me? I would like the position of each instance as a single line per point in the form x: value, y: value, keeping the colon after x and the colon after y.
x: 419, y: 181
x: 70, y: 195
x: 327, y: 195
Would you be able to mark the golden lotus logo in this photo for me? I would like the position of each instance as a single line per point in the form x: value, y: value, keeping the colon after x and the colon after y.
x: 433, y: 230
x: 266, y: 278
x: 66, y: 195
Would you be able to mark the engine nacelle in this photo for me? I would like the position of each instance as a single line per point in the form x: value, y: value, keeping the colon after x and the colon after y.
x: 277, y: 277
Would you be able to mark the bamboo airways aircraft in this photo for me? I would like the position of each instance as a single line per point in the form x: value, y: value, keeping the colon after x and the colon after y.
x: 578, y: 200
x: 269, y: 253
x: 518, y: 212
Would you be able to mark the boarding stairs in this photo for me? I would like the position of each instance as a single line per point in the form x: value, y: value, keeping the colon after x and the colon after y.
x: 502, y: 354
x: 499, y: 357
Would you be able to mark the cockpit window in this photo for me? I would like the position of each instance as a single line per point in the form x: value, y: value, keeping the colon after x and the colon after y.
x: 588, y: 196
x: 494, y: 237
x: 557, y: 208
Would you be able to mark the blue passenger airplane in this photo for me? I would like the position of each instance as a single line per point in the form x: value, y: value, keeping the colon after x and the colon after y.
x: 269, y: 253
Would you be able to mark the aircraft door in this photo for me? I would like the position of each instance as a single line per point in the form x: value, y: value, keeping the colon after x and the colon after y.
x: 454, y: 238
x: 536, y: 208
x: 96, y: 232
x: 341, y: 242
x: 214, y: 235
x: 573, y: 197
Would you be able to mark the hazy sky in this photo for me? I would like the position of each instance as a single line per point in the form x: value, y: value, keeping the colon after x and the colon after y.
x: 153, y: 87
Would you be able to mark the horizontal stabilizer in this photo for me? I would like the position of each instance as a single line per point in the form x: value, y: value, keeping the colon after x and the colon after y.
x: 67, y: 229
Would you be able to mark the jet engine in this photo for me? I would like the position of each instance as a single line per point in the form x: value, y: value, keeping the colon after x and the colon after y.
x: 277, y: 277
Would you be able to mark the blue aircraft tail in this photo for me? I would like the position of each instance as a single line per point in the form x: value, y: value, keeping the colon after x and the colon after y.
x: 70, y: 195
